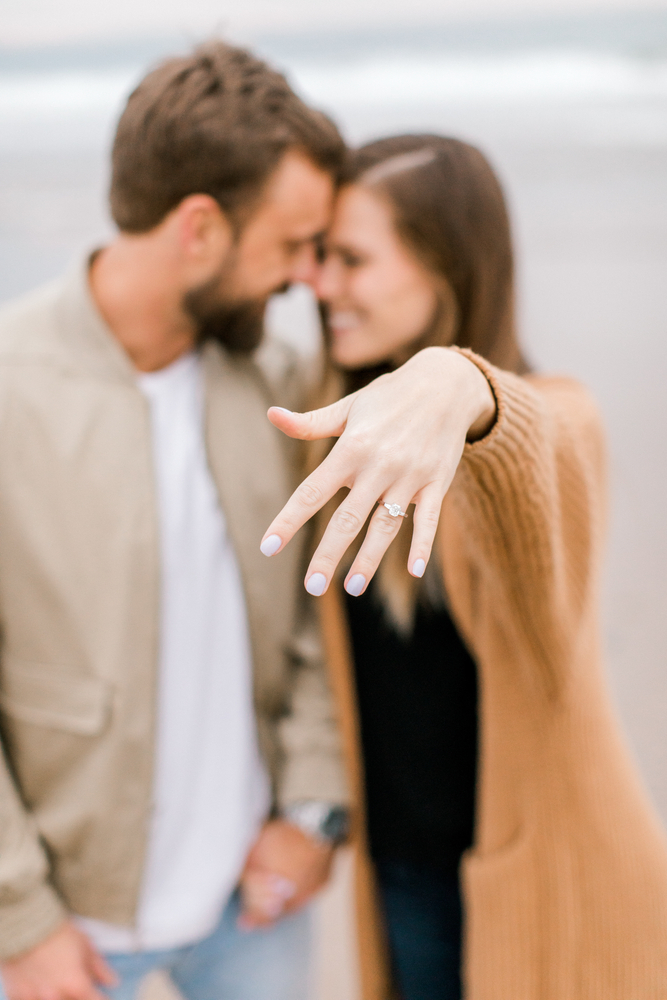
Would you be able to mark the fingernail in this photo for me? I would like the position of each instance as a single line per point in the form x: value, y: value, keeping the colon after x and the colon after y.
x: 270, y: 545
x: 283, y: 410
x: 283, y: 886
x: 273, y: 908
x: 316, y: 584
x: 418, y: 567
x: 355, y: 585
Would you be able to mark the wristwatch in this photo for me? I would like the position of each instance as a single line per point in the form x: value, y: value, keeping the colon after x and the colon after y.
x: 322, y: 821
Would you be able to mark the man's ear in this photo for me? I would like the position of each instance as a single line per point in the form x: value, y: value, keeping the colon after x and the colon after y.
x: 204, y: 230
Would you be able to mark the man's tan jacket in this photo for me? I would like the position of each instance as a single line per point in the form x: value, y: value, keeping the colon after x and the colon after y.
x: 79, y: 607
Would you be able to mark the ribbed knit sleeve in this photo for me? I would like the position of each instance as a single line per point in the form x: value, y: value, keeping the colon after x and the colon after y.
x: 531, y: 497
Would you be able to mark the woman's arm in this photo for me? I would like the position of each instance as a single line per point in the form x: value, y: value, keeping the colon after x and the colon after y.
x: 400, y: 440
x: 530, y: 491
x: 530, y: 500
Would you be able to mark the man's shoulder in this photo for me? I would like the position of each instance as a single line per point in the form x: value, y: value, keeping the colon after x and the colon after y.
x: 287, y: 373
x: 28, y: 324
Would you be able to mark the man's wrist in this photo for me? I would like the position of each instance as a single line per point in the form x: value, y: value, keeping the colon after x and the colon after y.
x: 326, y: 822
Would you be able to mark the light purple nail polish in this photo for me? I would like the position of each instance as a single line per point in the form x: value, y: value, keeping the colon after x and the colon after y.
x: 418, y: 567
x: 283, y: 409
x: 270, y: 545
x: 284, y: 887
x: 316, y: 584
x: 355, y: 585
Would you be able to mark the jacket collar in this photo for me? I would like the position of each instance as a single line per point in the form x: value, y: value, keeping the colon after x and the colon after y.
x: 251, y: 472
x: 85, y: 337
x: 245, y: 451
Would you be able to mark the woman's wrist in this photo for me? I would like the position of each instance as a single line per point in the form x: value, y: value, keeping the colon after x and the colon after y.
x: 477, y: 403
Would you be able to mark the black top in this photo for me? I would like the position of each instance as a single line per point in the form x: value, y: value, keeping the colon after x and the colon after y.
x: 418, y: 712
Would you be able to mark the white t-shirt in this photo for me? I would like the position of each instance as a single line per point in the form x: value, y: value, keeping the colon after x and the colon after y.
x: 211, y: 790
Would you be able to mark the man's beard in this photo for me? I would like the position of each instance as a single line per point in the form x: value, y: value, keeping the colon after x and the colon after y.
x: 238, y: 326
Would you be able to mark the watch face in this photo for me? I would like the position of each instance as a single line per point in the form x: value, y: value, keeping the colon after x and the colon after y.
x: 336, y: 825
x: 320, y: 820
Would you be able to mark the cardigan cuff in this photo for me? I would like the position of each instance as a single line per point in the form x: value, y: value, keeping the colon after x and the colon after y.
x: 518, y: 407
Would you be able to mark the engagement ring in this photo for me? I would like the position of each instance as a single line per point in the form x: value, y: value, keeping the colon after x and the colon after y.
x: 394, y: 509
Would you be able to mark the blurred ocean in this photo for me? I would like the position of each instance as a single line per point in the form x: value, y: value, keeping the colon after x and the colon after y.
x: 573, y: 113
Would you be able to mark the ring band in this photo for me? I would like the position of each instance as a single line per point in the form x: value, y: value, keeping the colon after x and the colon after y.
x: 394, y: 509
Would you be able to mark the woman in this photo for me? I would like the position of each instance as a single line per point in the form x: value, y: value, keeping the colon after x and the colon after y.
x: 490, y: 751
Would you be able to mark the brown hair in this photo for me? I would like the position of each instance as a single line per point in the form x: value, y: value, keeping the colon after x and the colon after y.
x: 215, y: 122
x: 449, y: 211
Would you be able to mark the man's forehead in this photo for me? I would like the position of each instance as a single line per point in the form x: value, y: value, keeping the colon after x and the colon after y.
x: 298, y: 190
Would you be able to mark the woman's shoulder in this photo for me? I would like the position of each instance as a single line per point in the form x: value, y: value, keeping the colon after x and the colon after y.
x: 569, y: 402
x: 548, y: 432
x: 560, y: 387
x: 535, y: 400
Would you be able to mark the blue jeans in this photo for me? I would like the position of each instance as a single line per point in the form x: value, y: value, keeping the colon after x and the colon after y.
x: 230, y: 964
x: 422, y: 910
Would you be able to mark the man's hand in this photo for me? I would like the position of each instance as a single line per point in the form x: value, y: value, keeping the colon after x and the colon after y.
x: 284, y: 869
x: 400, y: 440
x: 64, y: 966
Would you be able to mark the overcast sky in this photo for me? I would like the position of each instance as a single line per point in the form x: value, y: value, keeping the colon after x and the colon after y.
x: 25, y: 22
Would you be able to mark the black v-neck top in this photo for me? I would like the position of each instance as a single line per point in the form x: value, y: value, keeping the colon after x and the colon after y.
x: 418, y: 713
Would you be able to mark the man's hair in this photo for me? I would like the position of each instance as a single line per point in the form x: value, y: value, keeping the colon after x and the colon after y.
x: 215, y: 122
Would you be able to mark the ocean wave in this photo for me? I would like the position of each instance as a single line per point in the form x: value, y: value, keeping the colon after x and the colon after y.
x: 380, y: 80
x: 588, y: 97
x: 64, y: 93
x: 531, y: 77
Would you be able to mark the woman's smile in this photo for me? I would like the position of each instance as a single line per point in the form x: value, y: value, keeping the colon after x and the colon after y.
x: 341, y: 321
x: 379, y: 297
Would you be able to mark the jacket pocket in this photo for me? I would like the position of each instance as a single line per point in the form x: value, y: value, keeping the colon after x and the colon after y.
x: 502, y: 921
x: 35, y: 693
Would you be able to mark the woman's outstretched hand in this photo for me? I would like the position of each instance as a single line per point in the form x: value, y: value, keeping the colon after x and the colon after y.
x: 400, y: 439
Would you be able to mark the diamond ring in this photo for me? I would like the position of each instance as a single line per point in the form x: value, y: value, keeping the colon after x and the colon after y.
x: 394, y: 509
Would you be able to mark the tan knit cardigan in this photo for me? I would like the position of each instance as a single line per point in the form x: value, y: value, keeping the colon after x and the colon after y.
x: 565, y: 888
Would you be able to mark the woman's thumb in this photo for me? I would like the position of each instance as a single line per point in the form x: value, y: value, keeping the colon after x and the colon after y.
x: 327, y: 422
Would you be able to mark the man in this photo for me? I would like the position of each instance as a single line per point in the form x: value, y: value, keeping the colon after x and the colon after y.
x: 165, y: 716
x: 167, y: 727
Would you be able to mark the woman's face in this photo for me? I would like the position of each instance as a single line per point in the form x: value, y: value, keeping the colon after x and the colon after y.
x: 380, y: 298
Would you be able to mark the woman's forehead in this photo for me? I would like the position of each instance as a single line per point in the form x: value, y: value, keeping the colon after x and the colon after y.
x: 361, y: 213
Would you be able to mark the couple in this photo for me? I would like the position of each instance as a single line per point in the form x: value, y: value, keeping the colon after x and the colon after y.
x: 179, y: 761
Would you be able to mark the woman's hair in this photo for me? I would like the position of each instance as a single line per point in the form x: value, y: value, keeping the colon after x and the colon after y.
x: 449, y: 211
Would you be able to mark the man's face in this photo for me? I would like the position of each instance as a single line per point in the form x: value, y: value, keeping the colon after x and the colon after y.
x: 275, y: 248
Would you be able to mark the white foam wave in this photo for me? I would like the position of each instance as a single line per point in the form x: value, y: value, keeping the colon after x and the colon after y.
x: 77, y: 92
x: 602, y: 98
x: 519, y: 78
x: 379, y: 80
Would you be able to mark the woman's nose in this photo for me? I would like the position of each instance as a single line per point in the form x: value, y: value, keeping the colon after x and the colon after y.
x: 305, y: 266
x: 326, y: 280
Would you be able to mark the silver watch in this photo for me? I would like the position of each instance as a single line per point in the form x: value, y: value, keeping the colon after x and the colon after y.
x: 322, y: 821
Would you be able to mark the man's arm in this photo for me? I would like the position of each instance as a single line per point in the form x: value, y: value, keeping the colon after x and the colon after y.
x: 30, y: 909
x: 42, y: 955
x: 291, y: 859
x: 64, y: 966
